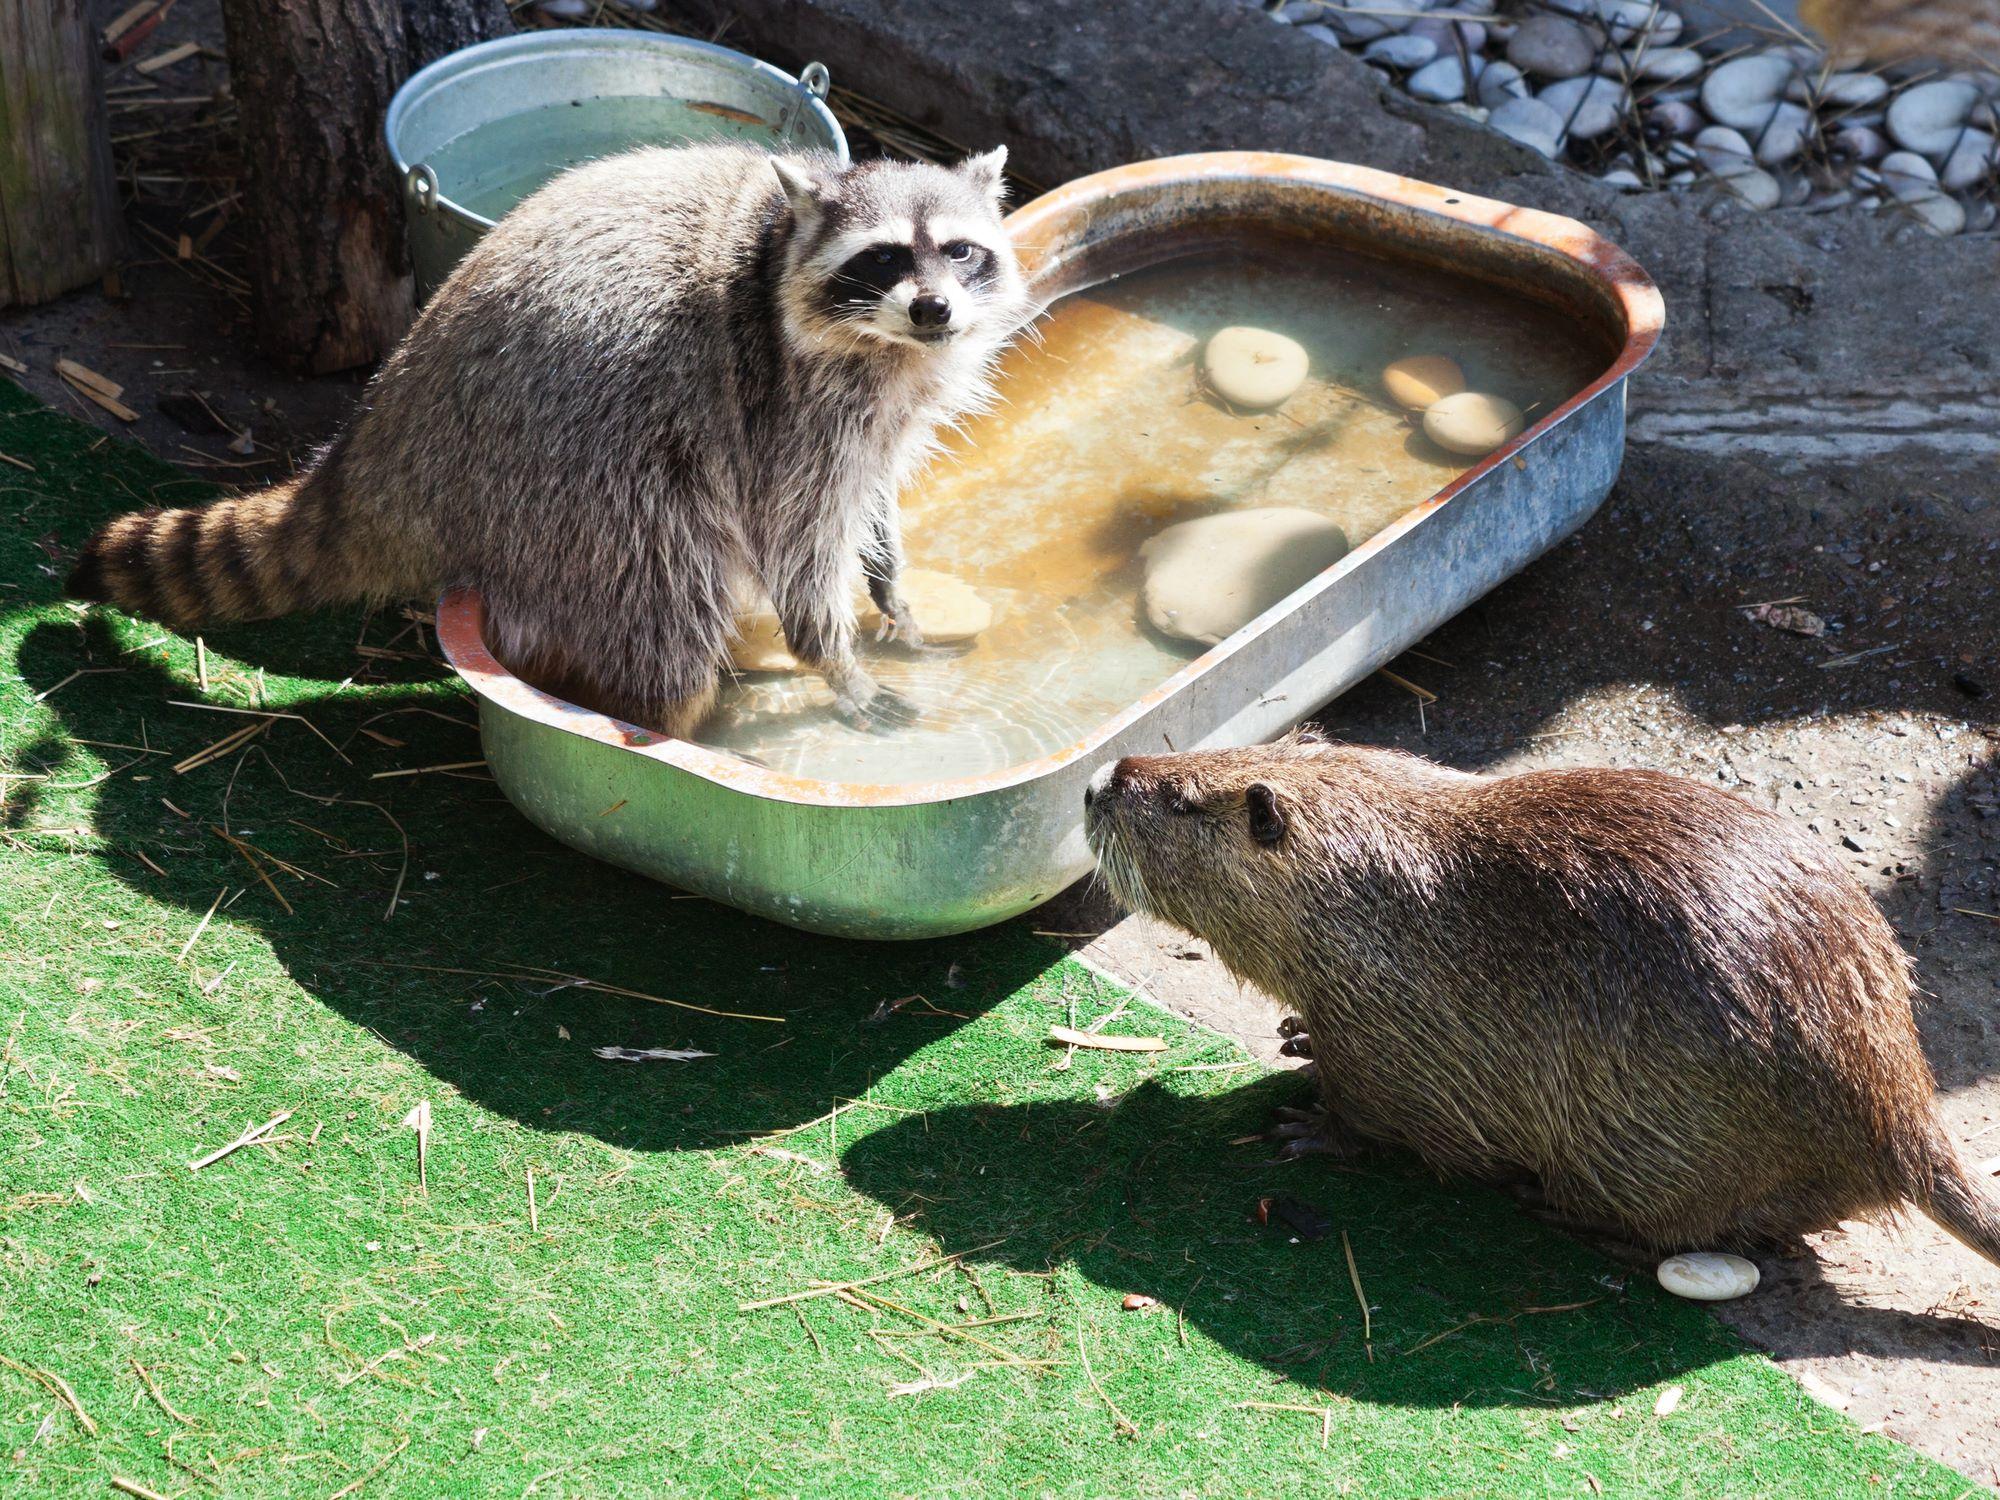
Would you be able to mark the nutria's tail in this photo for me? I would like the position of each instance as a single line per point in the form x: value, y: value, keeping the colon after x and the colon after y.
x: 1962, y: 1208
x: 246, y: 557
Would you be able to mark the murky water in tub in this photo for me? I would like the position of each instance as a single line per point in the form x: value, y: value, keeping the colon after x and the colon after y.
x: 1103, y: 439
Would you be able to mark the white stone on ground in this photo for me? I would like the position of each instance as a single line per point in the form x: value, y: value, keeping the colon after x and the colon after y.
x: 1708, y: 1276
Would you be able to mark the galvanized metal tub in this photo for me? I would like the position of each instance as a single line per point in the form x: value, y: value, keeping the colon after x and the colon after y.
x: 931, y: 858
x: 699, y: 89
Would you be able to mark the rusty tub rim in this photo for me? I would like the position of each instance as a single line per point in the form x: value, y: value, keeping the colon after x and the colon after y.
x: 461, y: 612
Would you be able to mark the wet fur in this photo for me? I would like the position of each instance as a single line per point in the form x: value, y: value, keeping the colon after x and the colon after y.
x: 630, y: 398
x: 1671, y: 1010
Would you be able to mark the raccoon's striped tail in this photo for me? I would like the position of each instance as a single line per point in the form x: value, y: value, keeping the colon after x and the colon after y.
x: 246, y: 557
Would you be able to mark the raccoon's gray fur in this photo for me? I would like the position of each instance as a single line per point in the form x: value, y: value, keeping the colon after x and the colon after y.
x: 663, y: 375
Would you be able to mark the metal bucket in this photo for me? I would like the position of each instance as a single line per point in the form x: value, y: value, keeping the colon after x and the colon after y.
x: 480, y: 129
x: 924, y: 859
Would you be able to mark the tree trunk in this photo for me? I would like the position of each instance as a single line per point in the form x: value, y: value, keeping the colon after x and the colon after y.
x: 435, y: 27
x: 313, y: 78
x: 59, y: 219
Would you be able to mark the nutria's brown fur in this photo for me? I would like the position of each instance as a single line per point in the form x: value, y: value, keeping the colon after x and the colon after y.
x: 1671, y: 1010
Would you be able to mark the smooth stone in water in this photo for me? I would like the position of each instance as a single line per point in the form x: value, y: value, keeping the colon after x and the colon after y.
x: 1500, y: 82
x: 759, y: 643
x: 1253, y: 367
x: 1441, y: 81
x: 1405, y: 52
x: 1551, y: 47
x: 947, y: 610
x: 1970, y: 160
x: 1208, y: 578
x: 1588, y: 107
x: 1472, y: 423
x: 1708, y: 1276
x: 1530, y: 122
x: 1741, y: 92
x: 1927, y: 119
x: 1420, y: 380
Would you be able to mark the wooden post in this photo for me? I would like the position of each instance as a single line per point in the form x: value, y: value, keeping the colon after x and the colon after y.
x: 435, y: 27
x: 313, y: 78
x: 59, y: 219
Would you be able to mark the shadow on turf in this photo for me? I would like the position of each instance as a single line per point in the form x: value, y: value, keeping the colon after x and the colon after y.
x: 1472, y: 1303
x: 485, y: 891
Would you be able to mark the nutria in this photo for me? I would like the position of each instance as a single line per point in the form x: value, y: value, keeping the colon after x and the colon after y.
x: 1669, y: 1012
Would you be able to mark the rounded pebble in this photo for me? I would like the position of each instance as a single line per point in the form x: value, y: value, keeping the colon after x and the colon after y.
x: 1927, y: 119
x: 1724, y: 151
x: 1841, y: 91
x: 1208, y: 578
x: 1441, y: 81
x: 1908, y: 176
x: 1857, y: 143
x: 1320, y: 32
x: 1588, y: 107
x: 1971, y: 159
x: 1420, y: 380
x: 1623, y: 178
x: 1530, y: 122
x: 1942, y: 216
x: 1708, y: 1276
x: 1253, y: 367
x: 1400, y: 51
x: 1783, y: 135
x: 1472, y: 423
x: 1668, y: 64
x: 1499, y: 82
x: 1665, y: 122
x: 1755, y: 188
x: 1551, y: 47
x: 1741, y: 92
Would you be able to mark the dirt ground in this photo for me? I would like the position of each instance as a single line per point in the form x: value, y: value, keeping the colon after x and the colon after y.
x: 1629, y: 645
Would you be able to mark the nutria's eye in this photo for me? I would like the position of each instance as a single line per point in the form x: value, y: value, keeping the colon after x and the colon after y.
x: 1267, y: 824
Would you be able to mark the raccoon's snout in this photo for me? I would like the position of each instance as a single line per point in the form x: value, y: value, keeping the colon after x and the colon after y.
x: 930, y: 311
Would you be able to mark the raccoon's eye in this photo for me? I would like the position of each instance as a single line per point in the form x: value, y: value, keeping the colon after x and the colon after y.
x: 885, y: 257
x: 958, y: 250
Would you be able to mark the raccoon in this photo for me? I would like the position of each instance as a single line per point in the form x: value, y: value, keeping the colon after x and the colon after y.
x: 665, y: 376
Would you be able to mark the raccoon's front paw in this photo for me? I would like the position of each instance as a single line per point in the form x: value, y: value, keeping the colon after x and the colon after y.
x: 867, y: 705
x: 899, y: 624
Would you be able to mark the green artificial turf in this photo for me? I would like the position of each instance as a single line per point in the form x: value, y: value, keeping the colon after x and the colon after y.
x: 302, y: 1318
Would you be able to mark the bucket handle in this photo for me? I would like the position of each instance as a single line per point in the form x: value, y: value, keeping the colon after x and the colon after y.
x: 815, y: 82
x: 420, y: 185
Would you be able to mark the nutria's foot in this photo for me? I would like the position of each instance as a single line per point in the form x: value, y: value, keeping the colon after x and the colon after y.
x: 1297, y: 1043
x: 1312, y: 1132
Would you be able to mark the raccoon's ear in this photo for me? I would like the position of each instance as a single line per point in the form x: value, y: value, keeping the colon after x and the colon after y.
x: 984, y: 173
x: 805, y: 196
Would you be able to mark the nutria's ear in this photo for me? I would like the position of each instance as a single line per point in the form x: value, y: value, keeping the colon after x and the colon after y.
x: 1267, y: 823
x: 806, y: 196
x: 984, y: 172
